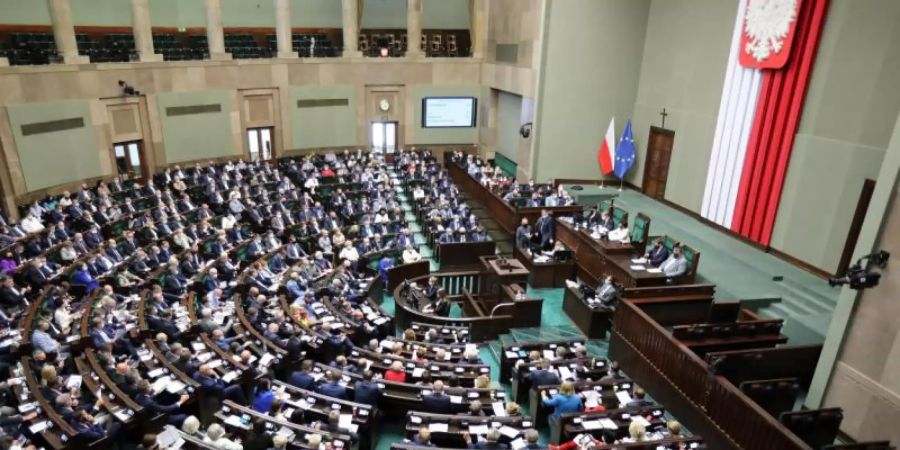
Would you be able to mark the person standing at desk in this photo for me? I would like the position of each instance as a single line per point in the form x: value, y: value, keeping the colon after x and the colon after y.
x: 523, y: 234
x: 544, y: 228
x: 676, y: 265
x: 564, y: 402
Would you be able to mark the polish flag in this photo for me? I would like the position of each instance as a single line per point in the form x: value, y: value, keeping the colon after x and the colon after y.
x: 607, y: 153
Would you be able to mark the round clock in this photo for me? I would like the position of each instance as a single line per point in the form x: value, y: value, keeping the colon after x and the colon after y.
x: 384, y: 105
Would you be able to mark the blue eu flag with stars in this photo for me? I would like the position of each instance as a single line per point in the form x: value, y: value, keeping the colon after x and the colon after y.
x: 625, y: 152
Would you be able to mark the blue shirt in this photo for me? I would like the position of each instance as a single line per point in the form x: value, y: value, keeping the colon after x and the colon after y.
x: 262, y: 401
x: 563, y: 404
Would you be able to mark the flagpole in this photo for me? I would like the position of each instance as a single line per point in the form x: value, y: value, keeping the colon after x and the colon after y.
x: 601, y: 181
x: 621, y: 182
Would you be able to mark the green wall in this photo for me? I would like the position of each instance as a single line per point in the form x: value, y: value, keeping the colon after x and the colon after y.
x: 24, y: 12
x: 851, y: 105
x: 683, y: 69
x: 99, y: 12
x: 54, y: 158
x: 509, y: 118
x: 381, y: 14
x: 323, y: 126
x: 445, y: 15
x: 197, y: 136
x: 422, y: 136
x: 589, y: 73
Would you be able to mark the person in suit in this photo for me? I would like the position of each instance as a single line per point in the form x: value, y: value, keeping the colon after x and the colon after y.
x: 146, y: 399
x: 211, y: 383
x: 523, y: 234
x: 423, y: 438
x: 658, y: 254
x: 83, y: 277
x: 639, y: 399
x: 491, y: 441
x: 441, y: 306
x: 11, y: 297
x: 545, y: 228
x: 332, y: 387
x: 675, y: 265
x: 605, y: 223
x: 543, y: 376
x: 86, y: 429
x: 367, y: 391
x: 437, y: 402
x: 607, y: 292
x: 531, y: 440
x: 303, y: 378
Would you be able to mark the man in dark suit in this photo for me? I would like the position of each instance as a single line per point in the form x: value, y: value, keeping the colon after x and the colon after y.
x: 332, y: 387
x: 523, y: 234
x: 606, y: 221
x: 211, y: 383
x: 543, y: 376
x: 146, y: 399
x: 437, y: 402
x: 367, y: 391
x: 658, y: 254
x: 490, y: 442
x: 303, y: 378
x: 639, y: 399
x: 545, y: 229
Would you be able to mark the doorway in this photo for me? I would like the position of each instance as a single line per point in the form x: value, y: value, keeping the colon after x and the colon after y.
x: 659, y: 153
x: 129, y: 160
x: 383, y: 136
x: 259, y: 142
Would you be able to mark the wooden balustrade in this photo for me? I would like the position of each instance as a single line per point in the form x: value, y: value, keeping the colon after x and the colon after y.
x: 731, y: 418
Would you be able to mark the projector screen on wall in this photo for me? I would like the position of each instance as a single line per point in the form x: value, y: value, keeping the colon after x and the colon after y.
x: 448, y: 112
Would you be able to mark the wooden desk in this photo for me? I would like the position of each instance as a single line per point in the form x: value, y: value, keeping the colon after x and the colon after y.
x: 550, y: 274
x: 596, y: 259
x: 593, y: 322
x: 502, y: 271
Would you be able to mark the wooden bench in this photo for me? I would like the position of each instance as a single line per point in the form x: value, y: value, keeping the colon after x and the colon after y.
x: 775, y: 396
x: 786, y: 361
x: 816, y: 427
x: 706, y: 337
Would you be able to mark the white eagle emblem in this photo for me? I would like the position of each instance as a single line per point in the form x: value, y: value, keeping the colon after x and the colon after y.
x: 767, y: 23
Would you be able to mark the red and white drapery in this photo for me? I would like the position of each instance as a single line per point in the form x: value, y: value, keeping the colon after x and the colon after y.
x: 758, y: 118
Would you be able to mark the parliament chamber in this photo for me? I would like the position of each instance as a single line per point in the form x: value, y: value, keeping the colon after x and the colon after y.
x: 449, y: 224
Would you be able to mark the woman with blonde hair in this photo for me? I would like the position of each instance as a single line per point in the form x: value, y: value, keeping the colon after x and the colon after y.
x: 566, y: 401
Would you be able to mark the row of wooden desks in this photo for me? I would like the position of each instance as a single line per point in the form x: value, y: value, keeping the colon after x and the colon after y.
x: 598, y: 258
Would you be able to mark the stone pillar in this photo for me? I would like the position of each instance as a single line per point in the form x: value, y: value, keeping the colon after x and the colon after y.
x: 4, y: 62
x: 350, y: 12
x: 64, y: 32
x: 214, y: 34
x: 143, y: 31
x: 283, y: 29
x: 479, y: 28
x: 413, y: 28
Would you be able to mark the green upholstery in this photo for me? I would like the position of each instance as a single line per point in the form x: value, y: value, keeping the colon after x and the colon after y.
x: 618, y: 214
x: 605, y: 206
x: 505, y: 164
x: 242, y: 253
x: 688, y: 255
x: 639, y: 231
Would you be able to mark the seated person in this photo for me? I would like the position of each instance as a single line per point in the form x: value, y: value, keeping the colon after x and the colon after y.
x: 676, y: 264
x: 658, y: 254
x: 437, y: 402
x: 620, y: 234
x: 410, y: 255
x: 440, y: 307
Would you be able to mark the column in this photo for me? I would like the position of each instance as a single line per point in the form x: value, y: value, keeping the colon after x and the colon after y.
x: 64, y: 32
x: 350, y: 12
x: 143, y: 32
x: 214, y: 34
x: 413, y: 28
x: 479, y: 28
x: 4, y: 62
x: 283, y: 29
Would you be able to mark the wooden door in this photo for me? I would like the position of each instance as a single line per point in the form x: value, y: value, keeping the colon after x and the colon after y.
x: 656, y: 169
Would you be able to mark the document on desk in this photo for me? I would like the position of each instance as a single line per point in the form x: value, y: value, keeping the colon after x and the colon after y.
x: 591, y: 398
x: 499, y: 410
x: 591, y: 425
x: 345, y: 421
x: 623, y: 397
x: 512, y: 355
x: 609, y: 424
x: 654, y: 270
x: 637, y: 267
x: 74, y: 382
x: 438, y: 427
x: 518, y: 444
x: 639, y: 261
x: 230, y: 376
x: 549, y: 354
x: 565, y: 373
x: 509, y: 431
x: 175, y: 387
x: 641, y: 420
x: 234, y: 421
x: 478, y: 429
x: 417, y: 372
x: 457, y: 399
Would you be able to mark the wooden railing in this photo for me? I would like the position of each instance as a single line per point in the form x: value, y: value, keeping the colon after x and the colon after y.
x: 740, y: 421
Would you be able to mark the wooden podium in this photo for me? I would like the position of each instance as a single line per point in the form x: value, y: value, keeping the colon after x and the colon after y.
x: 502, y: 271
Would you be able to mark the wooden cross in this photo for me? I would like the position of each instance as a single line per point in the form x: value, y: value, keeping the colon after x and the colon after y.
x: 664, y: 114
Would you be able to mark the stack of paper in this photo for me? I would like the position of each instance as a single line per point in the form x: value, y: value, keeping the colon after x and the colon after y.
x: 438, y: 427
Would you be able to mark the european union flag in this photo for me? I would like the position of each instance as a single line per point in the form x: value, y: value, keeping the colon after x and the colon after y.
x: 625, y: 152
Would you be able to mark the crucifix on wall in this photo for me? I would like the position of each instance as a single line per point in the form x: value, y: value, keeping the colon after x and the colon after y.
x: 663, y: 114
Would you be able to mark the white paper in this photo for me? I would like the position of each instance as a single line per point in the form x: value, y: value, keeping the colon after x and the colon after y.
x: 499, y: 410
x: 457, y: 399
x: 623, y: 397
x: 509, y: 431
x: 654, y: 270
x: 478, y: 429
x: 438, y: 427
x: 637, y: 267
x: 591, y: 425
x: 609, y: 424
